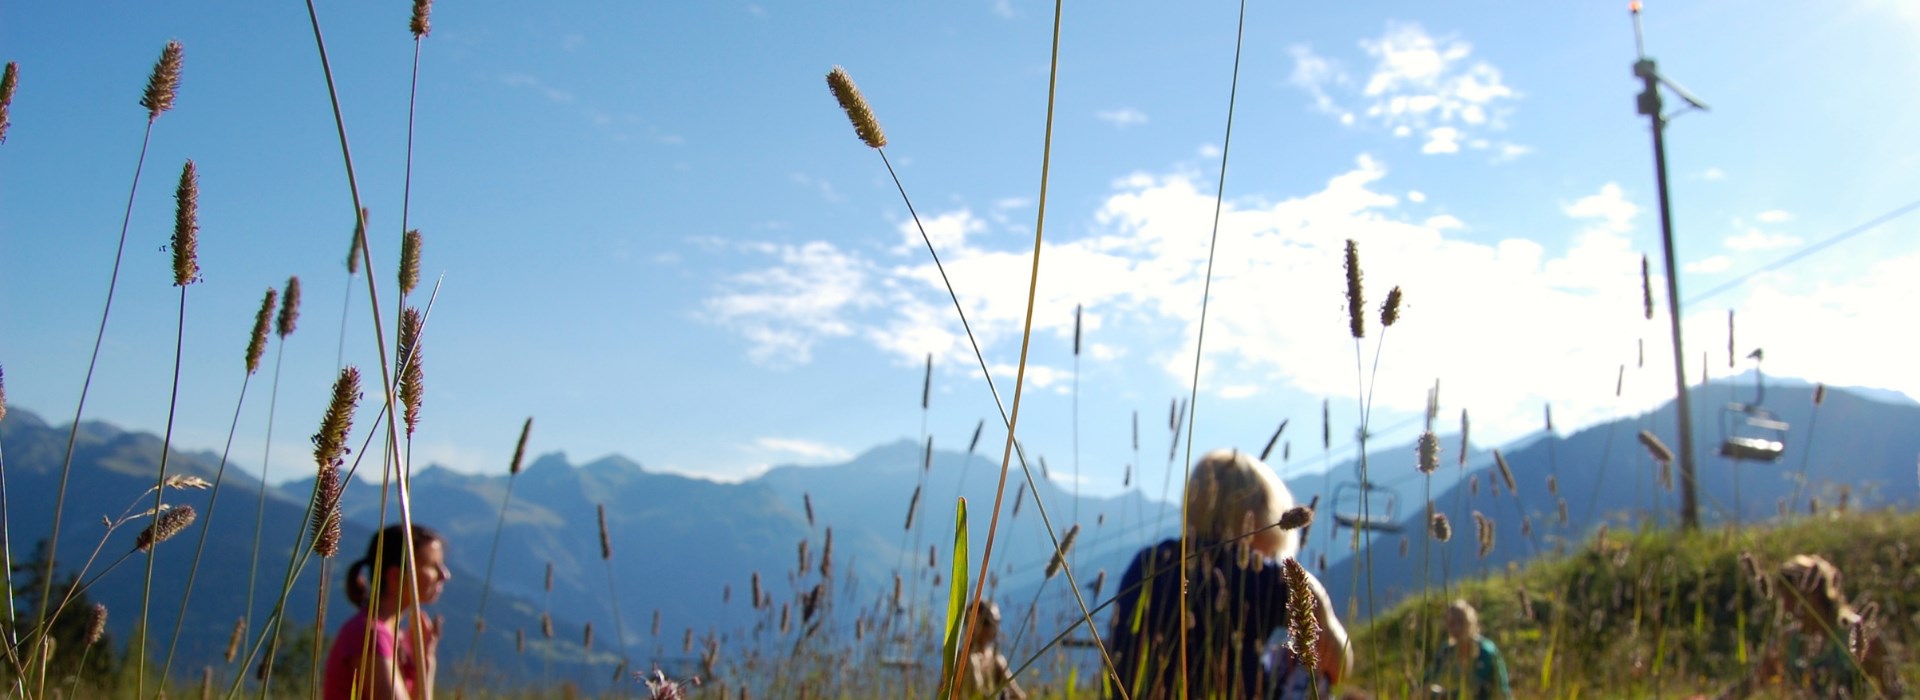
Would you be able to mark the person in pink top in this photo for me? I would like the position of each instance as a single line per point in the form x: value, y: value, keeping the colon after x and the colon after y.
x: 372, y: 658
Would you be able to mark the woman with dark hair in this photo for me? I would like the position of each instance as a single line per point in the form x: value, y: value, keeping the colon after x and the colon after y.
x: 372, y: 658
x: 1236, y: 597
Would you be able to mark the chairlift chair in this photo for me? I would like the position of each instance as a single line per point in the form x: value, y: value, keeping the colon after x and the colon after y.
x: 1381, y: 506
x: 1749, y: 432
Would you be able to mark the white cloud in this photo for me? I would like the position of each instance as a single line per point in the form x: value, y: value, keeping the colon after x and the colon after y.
x: 1122, y: 118
x: 1717, y: 263
x: 1444, y: 222
x: 1609, y: 204
x: 1239, y: 391
x: 1845, y: 332
x: 523, y: 80
x: 1712, y: 174
x: 783, y: 310
x: 1544, y: 317
x: 1754, y: 239
x: 1443, y: 139
x: 804, y: 449
x: 1003, y: 8
x: 948, y: 231
x: 1316, y: 74
x: 1773, y: 216
x: 1416, y: 196
x: 1426, y: 83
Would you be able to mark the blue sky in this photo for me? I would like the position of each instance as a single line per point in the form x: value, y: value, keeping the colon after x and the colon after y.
x: 660, y: 237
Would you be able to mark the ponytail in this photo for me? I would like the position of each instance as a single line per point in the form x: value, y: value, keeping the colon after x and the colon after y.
x: 357, y: 584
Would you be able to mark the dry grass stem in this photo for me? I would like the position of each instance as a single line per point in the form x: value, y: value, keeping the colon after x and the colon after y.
x: 289, y: 309
x: 855, y: 105
x: 7, y: 82
x: 186, y: 227
x: 262, y: 322
x: 164, y: 526
x: 420, y: 26
x: 1356, y: 295
x: 164, y: 83
x: 1060, y: 555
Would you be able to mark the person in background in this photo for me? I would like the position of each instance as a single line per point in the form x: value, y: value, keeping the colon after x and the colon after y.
x: 1236, y: 596
x: 988, y: 675
x: 372, y: 658
x: 1470, y: 666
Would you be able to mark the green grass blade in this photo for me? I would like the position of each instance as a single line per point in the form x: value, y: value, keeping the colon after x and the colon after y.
x: 956, y: 598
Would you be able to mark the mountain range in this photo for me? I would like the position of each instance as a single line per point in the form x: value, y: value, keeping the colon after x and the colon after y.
x: 685, y: 551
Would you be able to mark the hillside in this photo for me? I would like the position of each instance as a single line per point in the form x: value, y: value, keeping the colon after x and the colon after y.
x: 1652, y: 612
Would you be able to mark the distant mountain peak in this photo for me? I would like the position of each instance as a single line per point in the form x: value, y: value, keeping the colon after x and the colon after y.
x: 612, y: 463
x: 550, y: 461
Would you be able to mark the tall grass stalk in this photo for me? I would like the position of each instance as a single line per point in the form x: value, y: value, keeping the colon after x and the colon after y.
x: 283, y: 326
x: 867, y: 127
x: 256, y: 347
x: 12, y: 641
x: 486, y: 582
x: 162, y: 86
x: 1200, y: 339
x: 186, y: 271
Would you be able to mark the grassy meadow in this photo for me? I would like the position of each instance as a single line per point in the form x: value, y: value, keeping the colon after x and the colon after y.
x: 1634, y: 612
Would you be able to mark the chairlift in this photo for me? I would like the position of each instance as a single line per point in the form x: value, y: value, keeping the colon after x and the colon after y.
x: 1749, y: 432
x: 1380, y: 511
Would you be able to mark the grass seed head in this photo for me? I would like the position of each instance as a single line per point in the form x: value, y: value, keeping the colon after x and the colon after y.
x: 1060, y: 555
x: 1819, y: 393
x: 1655, y: 447
x: 412, y: 378
x: 1506, y: 472
x: 513, y: 468
x: 257, y: 343
x: 826, y: 556
x: 3, y: 394
x: 420, y: 26
x: 1483, y: 531
x: 1356, y: 295
x: 186, y: 227
x: 1302, y: 626
x: 586, y: 638
x: 1464, y: 426
x: 855, y: 105
x: 326, y: 512
x: 1390, y: 311
x: 606, y: 543
x: 1441, y: 528
x: 289, y: 309
x: 1429, y: 452
x: 233, y: 639
x: 169, y: 523
x: 164, y: 83
x: 359, y: 242
x: 912, y: 505
x: 96, y: 624
x: 7, y: 82
x: 1296, y: 518
x: 330, y: 444
x: 410, y: 261
x: 1646, y: 287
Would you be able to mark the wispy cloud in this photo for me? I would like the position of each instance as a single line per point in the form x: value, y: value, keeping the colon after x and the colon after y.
x: 1418, y: 84
x: 825, y: 188
x: 1773, y: 216
x: 553, y: 94
x: 1754, y: 239
x: 1122, y: 118
x: 804, y: 449
x: 782, y: 311
x: 1711, y: 265
x: 1003, y: 8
